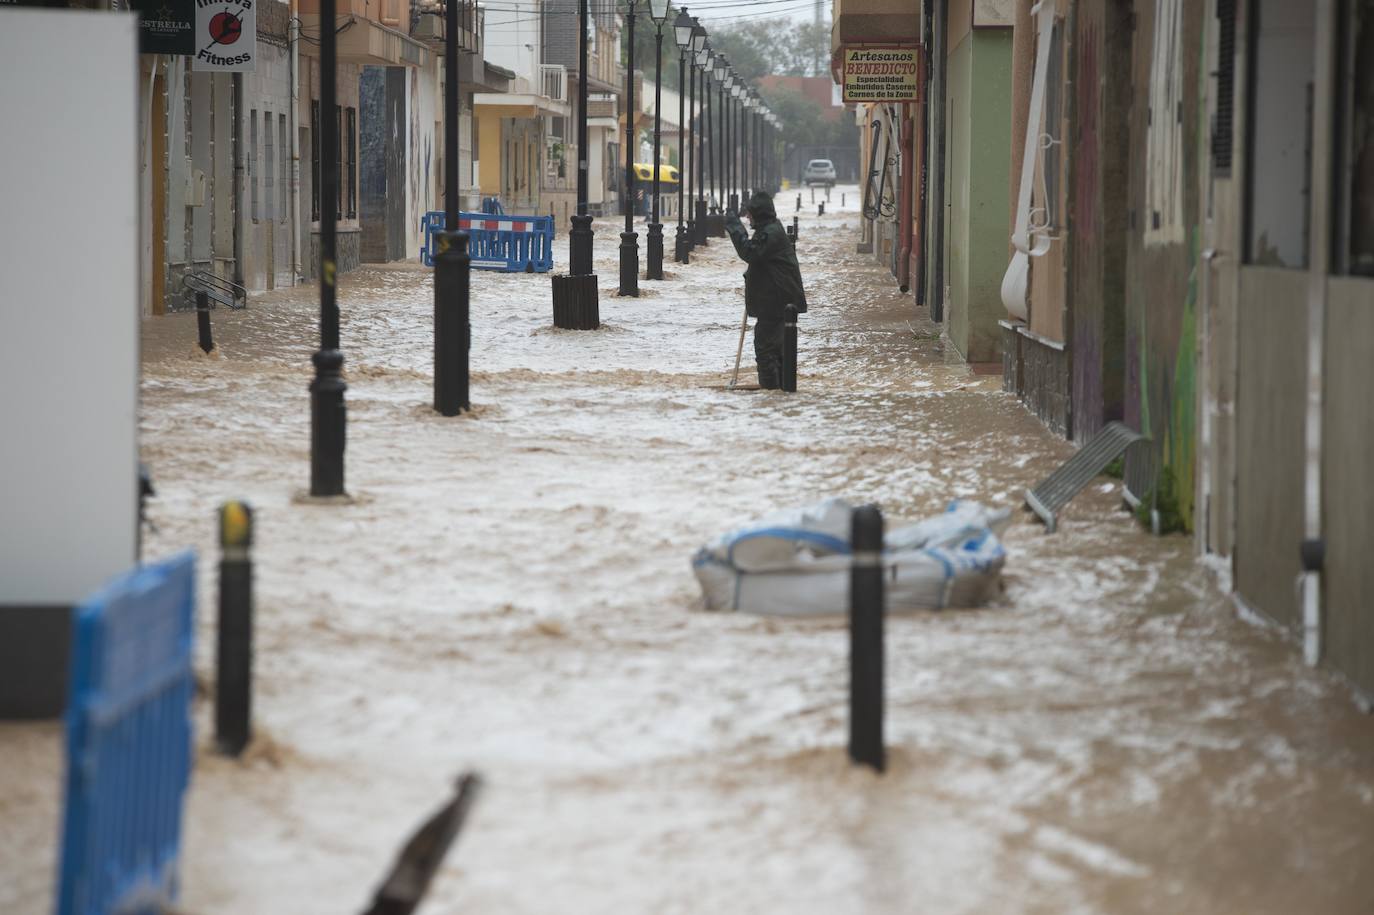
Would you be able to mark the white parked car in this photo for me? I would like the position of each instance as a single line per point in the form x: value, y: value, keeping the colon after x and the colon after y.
x: 819, y: 171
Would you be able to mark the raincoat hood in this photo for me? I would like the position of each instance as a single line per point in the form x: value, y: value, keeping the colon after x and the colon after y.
x: 761, y: 207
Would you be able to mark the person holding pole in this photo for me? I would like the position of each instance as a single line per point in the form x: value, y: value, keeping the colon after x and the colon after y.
x: 772, y: 281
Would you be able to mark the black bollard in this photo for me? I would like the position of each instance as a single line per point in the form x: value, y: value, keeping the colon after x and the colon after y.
x: 841, y: 199
x: 207, y: 341
x: 813, y: 193
x: 866, y: 610
x: 452, y: 324
x: 827, y: 193
x: 821, y: 208
x: 792, y: 236
x: 796, y: 232
x: 789, y: 349
x: 799, y: 203
x: 234, y: 680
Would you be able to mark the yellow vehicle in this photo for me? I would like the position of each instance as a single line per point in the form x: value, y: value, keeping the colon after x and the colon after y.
x: 667, y: 174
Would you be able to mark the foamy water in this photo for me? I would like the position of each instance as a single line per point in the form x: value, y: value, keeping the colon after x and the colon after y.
x: 511, y: 592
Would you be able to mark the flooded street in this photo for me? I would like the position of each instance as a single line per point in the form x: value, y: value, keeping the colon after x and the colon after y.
x: 510, y: 591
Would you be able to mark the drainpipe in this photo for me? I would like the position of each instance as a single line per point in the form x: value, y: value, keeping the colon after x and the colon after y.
x: 904, y: 210
x: 294, y: 121
x: 238, y: 178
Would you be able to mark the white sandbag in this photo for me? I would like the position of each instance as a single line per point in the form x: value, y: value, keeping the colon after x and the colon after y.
x: 796, y: 562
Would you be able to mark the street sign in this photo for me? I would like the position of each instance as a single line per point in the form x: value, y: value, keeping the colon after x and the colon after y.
x: 165, y: 26
x: 882, y: 74
x: 226, y: 36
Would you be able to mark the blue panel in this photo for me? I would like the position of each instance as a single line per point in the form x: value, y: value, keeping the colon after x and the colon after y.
x: 128, y: 742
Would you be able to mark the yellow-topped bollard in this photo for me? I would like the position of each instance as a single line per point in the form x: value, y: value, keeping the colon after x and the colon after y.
x: 234, y: 653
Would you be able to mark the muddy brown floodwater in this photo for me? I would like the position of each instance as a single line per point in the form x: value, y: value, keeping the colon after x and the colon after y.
x: 511, y: 592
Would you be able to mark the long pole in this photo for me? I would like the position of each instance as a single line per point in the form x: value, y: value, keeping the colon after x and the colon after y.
x: 655, y: 271
x: 681, y: 248
x: 451, y: 206
x: 703, y: 126
x: 722, y: 155
x: 580, y: 237
x: 689, y: 155
x: 452, y: 265
x: 327, y: 416
x: 629, y: 239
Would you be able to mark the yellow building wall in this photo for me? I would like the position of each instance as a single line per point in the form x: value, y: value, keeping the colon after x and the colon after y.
x: 489, y: 152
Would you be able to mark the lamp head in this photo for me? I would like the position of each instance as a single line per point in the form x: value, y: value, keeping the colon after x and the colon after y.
x: 658, y: 9
x: 682, y: 30
x: 698, y: 36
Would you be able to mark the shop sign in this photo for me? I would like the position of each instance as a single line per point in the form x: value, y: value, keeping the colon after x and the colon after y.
x: 226, y: 36
x: 882, y: 74
x: 165, y: 26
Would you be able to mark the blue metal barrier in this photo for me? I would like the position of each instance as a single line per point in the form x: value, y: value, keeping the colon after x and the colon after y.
x: 511, y: 244
x: 128, y: 742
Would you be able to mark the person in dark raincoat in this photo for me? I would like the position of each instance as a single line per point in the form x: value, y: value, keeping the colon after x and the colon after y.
x: 772, y: 281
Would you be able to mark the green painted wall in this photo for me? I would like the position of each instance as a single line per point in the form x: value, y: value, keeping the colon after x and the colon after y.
x: 978, y: 107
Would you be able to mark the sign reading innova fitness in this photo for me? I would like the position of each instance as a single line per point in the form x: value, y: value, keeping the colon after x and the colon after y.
x: 226, y: 36
x: 882, y: 74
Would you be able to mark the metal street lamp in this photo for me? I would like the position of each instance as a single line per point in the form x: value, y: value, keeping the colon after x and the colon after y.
x: 629, y: 239
x: 327, y: 418
x: 452, y: 265
x: 658, y: 9
x: 682, y: 35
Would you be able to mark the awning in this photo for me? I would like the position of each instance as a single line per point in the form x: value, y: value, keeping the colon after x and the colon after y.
x: 517, y: 104
x: 363, y: 41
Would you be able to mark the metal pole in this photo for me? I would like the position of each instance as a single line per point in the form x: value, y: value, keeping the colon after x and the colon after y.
x: 789, y: 348
x: 655, y: 271
x: 723, y: 122
x: 699, y: 158
x: 629, y: 239
x: 328, y: 422
x: 866, y: 609
x: 452, y: 265
x: 207, y: 339
x: 580, y: 237
x: 689, y: 156
x: 682, y: 246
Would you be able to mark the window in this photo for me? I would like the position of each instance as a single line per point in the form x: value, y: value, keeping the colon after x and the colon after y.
x: 269, y: 162
x: 284, y: 157
x: 252, y: 166
x: 1223, y: 120
x: 351, y: 162
x: 1353, y: 238
x: 338, y: 149
x: 1279, y: 136
x: 314, y: 161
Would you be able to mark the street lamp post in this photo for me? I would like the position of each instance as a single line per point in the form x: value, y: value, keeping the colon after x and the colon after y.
x: 658, y: 10
x: 629, y: 239
x: 682, y: 34
x: 328, y: 421
x: 576, y: 303
x: 731, y: 141
x: 719, y: 138
x: 701, y: 49
x: 452, y: 265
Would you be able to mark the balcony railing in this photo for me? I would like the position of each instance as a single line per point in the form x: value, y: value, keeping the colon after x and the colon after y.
x: 553, y: 81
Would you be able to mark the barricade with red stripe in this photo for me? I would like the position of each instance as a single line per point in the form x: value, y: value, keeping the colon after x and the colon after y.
x: 511, y: 244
